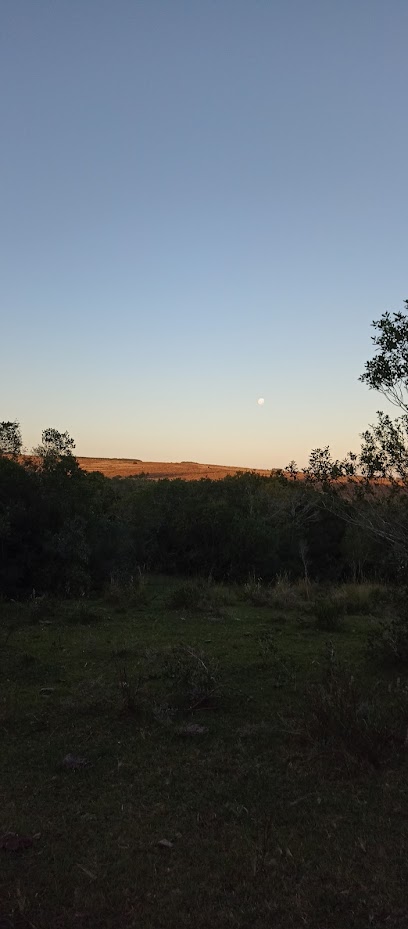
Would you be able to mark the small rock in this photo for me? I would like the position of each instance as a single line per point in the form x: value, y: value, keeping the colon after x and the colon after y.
x: 164, y: 843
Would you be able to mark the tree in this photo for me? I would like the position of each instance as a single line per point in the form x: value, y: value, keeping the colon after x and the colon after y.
x: 378, y: 512
x: 56, y: 443
x: 10, y: 439
x: 387, y: 372
x: 56, y: 447
x: 384, y: 450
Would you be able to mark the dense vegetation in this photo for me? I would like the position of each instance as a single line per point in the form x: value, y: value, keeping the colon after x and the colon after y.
x: 66, y: 531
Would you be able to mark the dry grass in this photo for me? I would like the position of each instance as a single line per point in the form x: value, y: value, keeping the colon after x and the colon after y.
x: 186, y: 470
x: 157, y: 470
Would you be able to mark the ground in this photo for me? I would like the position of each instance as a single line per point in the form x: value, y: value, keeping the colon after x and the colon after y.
x: 207, y: 786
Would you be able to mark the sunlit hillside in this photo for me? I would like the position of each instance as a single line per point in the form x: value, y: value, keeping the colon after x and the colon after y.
x: 187, y: 470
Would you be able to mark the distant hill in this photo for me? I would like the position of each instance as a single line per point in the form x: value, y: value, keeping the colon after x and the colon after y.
x: 187, y: 470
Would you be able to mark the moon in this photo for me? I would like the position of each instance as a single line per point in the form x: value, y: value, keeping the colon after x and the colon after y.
x: 261, y: 401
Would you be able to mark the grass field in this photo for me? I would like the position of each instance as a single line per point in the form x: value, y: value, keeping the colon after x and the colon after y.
x: 156, y: 470
x: 245, y: 761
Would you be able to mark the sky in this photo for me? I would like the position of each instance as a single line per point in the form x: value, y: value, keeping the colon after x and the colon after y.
x: 202, y: 202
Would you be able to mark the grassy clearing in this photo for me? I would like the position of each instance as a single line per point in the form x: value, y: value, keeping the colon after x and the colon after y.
x: 244, y: 766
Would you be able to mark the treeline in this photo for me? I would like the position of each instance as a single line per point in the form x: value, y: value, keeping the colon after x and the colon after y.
x: 68, y: 532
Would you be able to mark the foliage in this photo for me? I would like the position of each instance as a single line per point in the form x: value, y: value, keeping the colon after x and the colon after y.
x: 384, y: 451
x: 10, y: 439
x: 54, y: 445
x: 385, y: 445
x: 387, y: 372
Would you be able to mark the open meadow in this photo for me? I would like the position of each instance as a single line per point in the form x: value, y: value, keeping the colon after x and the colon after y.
x: 179, y: 753
x: 157, y: 470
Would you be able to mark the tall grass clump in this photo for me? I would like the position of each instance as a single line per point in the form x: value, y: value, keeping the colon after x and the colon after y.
x: 127, y: 589
x: 356, y: 599
x: 280, y: 594
x: 353, y: 724
x: 257, y: 593
x: 199, y: 596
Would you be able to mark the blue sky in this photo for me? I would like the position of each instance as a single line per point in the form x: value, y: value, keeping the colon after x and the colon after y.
x: 202, y: 202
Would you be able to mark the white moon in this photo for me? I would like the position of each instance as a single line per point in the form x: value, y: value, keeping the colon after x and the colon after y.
x: 261, y: 401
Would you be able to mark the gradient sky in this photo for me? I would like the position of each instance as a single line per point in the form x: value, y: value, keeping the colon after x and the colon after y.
x: 202, y: 202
